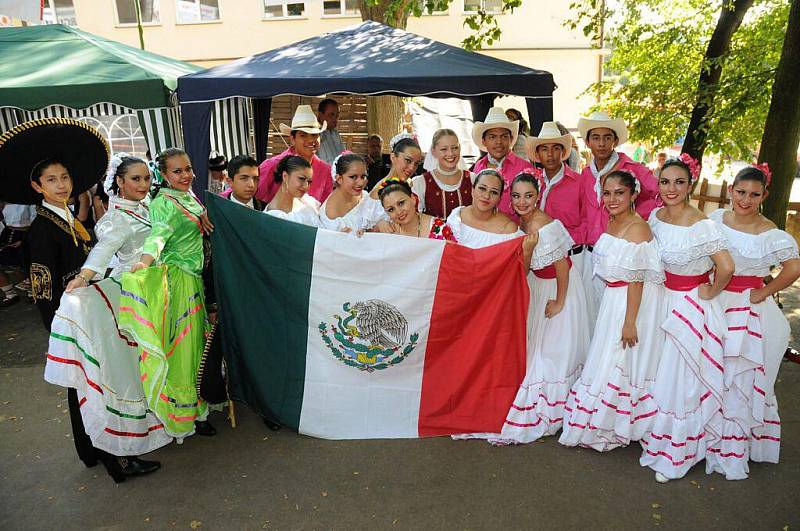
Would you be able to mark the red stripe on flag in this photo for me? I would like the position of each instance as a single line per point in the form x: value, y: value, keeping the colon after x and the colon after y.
x: 475, y: 356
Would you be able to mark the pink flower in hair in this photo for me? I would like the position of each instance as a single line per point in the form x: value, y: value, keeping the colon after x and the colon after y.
x: 694, y: 165
x: 764, y: 168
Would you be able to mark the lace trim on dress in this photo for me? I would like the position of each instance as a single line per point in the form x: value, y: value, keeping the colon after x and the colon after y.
x: 695, y: 252
x: 554, y: 244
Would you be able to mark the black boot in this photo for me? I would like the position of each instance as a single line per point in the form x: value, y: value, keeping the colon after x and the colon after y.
x: 83, y: 444
x: 204, y: 427
x: 121, y: 468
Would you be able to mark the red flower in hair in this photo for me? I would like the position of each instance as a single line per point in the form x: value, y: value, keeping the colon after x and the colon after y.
x: 694, y: 165
x: 764, y: 168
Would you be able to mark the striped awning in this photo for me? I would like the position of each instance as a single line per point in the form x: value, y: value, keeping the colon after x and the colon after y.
x: 230, y: 127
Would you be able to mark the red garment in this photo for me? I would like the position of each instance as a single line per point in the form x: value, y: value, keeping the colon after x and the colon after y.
x: 321, y: 184
x: 511, y: 167
x: 596, y: 215
x: 440, y: 230
x: 440, y: 203
x: 565, y: 201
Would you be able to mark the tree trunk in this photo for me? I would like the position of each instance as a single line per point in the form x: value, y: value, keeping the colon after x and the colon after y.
x: 385, y: 113
x: 782, y: 129
x: 730, y: 18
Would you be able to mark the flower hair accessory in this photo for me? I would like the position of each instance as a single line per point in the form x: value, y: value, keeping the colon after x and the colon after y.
x: 336, y: 161
x: 111, y: 174
x: 401, y: 136
x: 537, y: 174
x: 764, y: 168
x: 692, y: 163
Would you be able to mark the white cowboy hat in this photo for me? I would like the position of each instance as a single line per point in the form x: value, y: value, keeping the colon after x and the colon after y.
x: 304, y: 120
x: 495, y: 118
x: 550, y: 134
x: 601, y: 119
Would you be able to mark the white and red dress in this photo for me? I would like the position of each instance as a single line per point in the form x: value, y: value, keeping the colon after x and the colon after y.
x: 610, y: 405
x: 689, y: 381
x: 475, y: 238
x: 757, y: 337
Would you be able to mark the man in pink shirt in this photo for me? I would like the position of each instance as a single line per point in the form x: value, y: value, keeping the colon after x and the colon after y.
x: 497, y: 136
x: 304, y: 140
x: 602, y: 135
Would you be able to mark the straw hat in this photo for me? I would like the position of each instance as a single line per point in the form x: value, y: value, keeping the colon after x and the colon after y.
x: 550, y: 134
x: 495, y: 118
x: 304, y: 120
x: 601, y: 119
x: 79, y: 146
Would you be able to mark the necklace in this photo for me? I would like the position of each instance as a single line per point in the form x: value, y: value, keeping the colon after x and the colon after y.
x: 447, y: 173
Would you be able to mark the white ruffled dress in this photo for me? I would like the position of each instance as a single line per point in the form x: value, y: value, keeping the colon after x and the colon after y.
x: 690, y: 379
x: 89, y: 353
x: 556, y: 346
x: 476, y: 238
x: 305, y: 211
x: 610, y: 405
x: 365, y: 215
x: 757, y: 337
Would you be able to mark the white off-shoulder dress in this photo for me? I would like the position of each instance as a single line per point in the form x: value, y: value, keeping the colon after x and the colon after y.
x: 610, y: 405
x: 476, y: 238
x: 304, y: 210
x: 365, y: 215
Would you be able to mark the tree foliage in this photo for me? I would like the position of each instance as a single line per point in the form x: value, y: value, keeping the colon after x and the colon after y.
x: 658, y: 51
x: 485, y: 28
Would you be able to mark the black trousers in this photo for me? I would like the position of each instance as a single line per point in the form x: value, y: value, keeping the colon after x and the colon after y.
x: 83, y: 444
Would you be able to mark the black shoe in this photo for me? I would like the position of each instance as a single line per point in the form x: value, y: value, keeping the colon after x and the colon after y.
x: 121, y: 468
x: 9, y: 300
x: 89, y: 461
x: 272, y: 425
x: 204, y: 427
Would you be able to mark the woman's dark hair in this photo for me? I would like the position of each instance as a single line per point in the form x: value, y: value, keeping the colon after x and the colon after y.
x: 523, y: 125
x: 678, y: 163
x: 123, y: 169
x: 344, y: 162
x: 395, y: 186
x: 403, y: 144
x: 288, y: 165
x: 750, y: 173
x: 38, y: 169
x: 525, y: 177
x: 161, y: 163
x: 625, y: 178
x: 489, y: 171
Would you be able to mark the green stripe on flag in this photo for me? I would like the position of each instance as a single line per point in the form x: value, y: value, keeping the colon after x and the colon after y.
x: 265, y: 351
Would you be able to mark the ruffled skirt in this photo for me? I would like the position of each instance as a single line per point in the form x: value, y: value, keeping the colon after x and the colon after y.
x: 163, y: 309
x: 610, y: 405
x: 688, y: 386
x: 88, y: 352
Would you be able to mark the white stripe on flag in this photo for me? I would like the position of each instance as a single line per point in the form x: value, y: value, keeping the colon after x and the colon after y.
x: 340, y: 399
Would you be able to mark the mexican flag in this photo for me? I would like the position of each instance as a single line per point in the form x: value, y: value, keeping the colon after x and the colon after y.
x: 382, y: 336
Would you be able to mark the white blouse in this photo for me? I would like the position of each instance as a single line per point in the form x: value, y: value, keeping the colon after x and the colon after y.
x: 120, y: 237
x: 365, y: 215
x: 754, y: 254
x: 618, y: 260
x: 688, y: 250
x: 304, y: 210
x: 553, y: 245
x: 476, y: 238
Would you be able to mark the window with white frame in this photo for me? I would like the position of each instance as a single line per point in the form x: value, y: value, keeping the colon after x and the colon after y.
x: 278, y: 9
x: 340, y: 7
x: 59, y: 12
x: 126, y: 11
x: 487, y: 6
x: 193, y: 11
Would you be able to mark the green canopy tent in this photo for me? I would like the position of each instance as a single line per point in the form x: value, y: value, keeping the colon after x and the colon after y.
x: 57, y: 70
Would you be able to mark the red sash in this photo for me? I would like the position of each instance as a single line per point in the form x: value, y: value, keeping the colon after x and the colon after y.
x: 739, y: 284
x: 549, y: 272
x: 616, y: 284
x: 685, y: 282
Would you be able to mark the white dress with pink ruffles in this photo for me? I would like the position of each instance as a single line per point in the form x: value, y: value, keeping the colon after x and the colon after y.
x: 757, y: 337
x: 610, y: 405
x: 689, y: 381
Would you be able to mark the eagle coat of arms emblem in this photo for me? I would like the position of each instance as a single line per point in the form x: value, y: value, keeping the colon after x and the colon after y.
x: 371, y: 335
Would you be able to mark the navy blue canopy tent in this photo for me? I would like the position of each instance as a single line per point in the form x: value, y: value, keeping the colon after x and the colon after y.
x: 368, y: 59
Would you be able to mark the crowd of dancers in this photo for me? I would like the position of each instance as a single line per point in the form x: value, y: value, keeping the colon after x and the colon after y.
x: 648, y: 321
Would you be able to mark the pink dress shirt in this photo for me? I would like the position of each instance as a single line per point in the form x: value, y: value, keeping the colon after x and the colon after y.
x: 321, y: 184
x: 511, y: 167
x: 596, y: 215
x: 565, y: 201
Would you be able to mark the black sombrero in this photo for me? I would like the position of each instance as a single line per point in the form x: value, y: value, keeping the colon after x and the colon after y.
x: 81, y: 147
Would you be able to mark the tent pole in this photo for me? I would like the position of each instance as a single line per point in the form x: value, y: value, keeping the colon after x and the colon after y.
x: 540, y: 110
x: 261, y: 112
x: 196, y: 122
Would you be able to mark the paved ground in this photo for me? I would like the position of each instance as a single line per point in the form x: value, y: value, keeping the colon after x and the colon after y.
x: 250, y: 478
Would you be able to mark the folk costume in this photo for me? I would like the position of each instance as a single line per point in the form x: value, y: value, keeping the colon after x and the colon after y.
x: 475, y: 238
x: 304, y: 210
x: 163, y: 309
x: 610, y: 405
x: 757, y: 337
x: 689, y: 383
x: 93, y: 355
x: 365, y: 215
x: 439, y: 199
